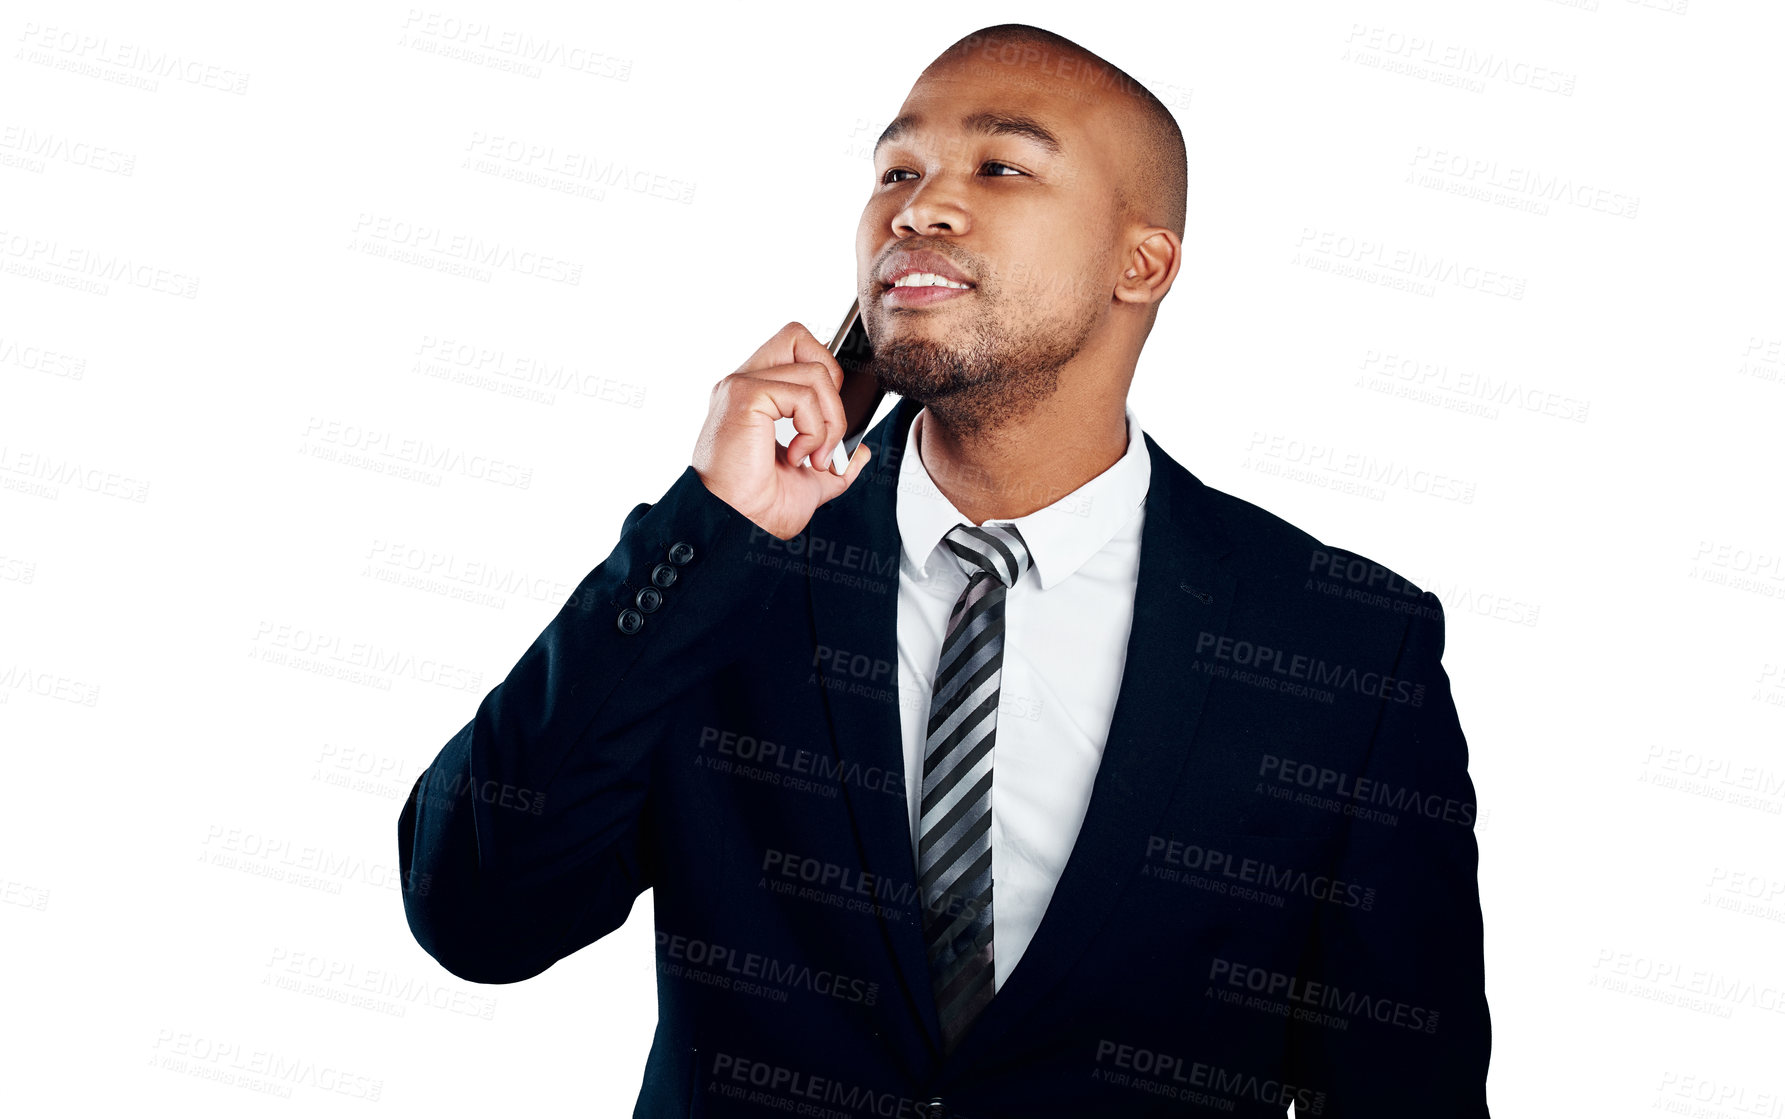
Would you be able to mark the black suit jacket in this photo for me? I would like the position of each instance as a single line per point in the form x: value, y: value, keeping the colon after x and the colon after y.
x: 1272, y: 898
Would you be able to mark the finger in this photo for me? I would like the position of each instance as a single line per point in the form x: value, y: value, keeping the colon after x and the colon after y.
x: 793, y: 344
x: 833, y: 484
x: 778, y: 350
x: 830, y: 406
x: 798, y: 400
x: 809, y: 349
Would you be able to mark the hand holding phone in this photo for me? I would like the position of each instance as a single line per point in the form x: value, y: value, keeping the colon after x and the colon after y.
x: 793, y: 380
x: 861, y: 390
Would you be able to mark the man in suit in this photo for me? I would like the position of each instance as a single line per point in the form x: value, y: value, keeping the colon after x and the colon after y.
x: 1013, y: 772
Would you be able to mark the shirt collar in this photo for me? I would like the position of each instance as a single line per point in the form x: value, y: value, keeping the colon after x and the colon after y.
x: 1060, y: 536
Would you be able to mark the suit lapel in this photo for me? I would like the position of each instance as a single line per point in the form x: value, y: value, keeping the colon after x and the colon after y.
x: 1150, y: 737
x: 1182, y: 591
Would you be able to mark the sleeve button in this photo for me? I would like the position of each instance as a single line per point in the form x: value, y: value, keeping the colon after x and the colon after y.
x: 630, y: 621
x: 664, y: 575
x: 648, y: 599
x: 681, y: 552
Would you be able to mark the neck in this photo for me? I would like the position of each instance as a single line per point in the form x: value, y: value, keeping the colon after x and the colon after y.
x: 1024, y: 465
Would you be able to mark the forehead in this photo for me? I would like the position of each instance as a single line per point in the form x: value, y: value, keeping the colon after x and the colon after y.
x: 973, y: 97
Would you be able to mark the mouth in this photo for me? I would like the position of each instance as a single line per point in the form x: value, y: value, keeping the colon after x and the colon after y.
x: 922, y: 289
x: 921, y: 278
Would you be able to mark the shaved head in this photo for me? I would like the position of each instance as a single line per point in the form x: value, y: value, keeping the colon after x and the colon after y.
x: 1154, y: 184
x: 1025, y: 222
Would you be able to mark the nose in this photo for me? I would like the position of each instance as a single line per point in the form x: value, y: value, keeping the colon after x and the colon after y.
x: 933, y: 208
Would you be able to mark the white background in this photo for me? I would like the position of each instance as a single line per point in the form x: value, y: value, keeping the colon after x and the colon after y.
x: 192, y: 557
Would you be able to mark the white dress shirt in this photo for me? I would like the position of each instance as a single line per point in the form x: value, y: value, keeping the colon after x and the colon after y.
x: 1065, y: 646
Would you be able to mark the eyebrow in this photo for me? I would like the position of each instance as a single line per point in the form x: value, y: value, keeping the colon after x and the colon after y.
x: 989, y: 124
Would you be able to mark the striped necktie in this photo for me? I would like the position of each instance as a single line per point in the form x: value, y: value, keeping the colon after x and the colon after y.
x: 954, y: 851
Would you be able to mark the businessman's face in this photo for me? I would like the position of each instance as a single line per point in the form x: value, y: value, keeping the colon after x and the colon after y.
x: 1025, y: 220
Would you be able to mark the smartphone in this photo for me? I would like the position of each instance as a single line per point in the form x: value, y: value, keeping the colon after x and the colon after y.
x: 861, y: 391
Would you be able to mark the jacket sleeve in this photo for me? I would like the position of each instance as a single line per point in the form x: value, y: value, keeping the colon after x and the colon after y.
x: 522, y: 842
x: 1398, y: 1023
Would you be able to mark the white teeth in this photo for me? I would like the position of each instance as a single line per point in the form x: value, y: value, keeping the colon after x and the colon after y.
x: 926, y: 280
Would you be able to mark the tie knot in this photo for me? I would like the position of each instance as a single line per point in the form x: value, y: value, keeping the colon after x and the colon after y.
x: 996, y: 549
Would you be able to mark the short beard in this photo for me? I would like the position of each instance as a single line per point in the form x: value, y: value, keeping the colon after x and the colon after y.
x: 983, y: 385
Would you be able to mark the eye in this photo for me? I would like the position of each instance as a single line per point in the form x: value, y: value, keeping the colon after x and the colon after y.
x: 888, y: 177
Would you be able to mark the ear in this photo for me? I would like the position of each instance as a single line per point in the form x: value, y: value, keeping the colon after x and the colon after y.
x: 1151, y: 267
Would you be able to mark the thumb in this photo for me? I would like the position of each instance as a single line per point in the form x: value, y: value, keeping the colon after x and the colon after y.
x: 834, y: 485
